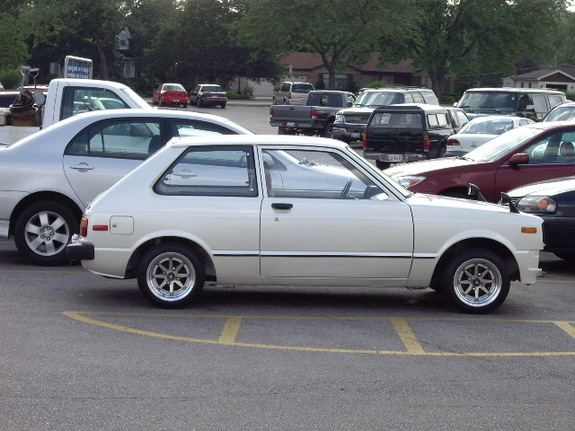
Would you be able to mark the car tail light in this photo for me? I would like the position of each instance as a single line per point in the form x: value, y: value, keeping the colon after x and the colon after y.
x: 271, y: 111
x: 84, y: 227
x: 453, y: 142
x: 314, y: 113
x: 364, y: 140
x: 426, y: 143
x: 289, y: 96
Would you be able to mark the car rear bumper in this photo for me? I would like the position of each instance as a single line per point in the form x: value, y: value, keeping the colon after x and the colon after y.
x: 395, y: 157
x: 80, y: 251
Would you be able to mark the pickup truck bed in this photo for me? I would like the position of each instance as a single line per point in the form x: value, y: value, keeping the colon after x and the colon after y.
x: 316, y: 117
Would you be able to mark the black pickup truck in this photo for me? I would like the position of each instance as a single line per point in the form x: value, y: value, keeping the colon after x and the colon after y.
x: 316, y: 117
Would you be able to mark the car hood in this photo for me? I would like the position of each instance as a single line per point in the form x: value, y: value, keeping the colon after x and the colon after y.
x: 545, y: 188
x: 358, y: 110
x: 417, y: 168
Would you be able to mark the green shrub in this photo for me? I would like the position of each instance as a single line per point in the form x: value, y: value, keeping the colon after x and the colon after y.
x: 449, y: 98
x: 10, y: 78
x: 570, y: 95
x: 378, y: 84
x: 234, y: 95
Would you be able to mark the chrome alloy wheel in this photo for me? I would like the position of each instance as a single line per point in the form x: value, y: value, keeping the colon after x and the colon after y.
x: 477, y: 282
x: 170, y: 276
x: 47, y: 233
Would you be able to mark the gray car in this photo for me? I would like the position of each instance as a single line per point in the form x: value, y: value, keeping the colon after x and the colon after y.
x: 48, y: 179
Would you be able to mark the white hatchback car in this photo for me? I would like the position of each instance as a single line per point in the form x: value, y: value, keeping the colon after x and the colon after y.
x: 481, y: 130
x: 292, y: 210
x: 48, y: 178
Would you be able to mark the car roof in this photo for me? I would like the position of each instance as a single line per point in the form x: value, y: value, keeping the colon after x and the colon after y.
x: 514, y: 90
x: 405, y: 106
x: 258, y: 140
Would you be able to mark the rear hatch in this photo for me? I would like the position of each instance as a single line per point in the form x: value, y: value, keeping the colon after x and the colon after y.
x: 395, y: 132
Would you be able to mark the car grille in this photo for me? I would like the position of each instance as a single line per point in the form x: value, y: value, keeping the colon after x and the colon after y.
x: 356, y: 119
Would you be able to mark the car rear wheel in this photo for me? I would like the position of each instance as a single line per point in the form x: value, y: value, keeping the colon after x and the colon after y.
x: 382, y: 165
x: 476, y: 281
x: 43, y: 231
x: 223, y: 105
x: 327, y: 131
x: 170, y: 275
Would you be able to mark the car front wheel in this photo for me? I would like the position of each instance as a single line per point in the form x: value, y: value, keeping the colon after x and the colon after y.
x: 43, y: 231
x: 170, y: 275
x: 476, y: 281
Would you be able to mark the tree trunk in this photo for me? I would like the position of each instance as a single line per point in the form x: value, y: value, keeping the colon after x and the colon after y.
x: 104, y: 74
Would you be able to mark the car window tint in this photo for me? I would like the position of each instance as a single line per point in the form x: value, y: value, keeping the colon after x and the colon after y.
x: 315, y: 174
x: 184, y: 128
x: 76, y: 100
x: 556, y: 148
x: 127, y: 139
x: 211, y: 171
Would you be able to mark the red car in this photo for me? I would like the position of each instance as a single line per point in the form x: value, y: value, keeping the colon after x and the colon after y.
x: 171, y: 94
x: 530, y: 153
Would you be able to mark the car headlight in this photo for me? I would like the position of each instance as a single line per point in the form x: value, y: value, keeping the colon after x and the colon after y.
x: 409, y: 181
x: 536, y: 204
x: 338, y: 118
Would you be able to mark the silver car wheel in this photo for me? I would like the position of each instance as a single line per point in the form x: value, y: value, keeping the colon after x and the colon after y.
x: 171, y: 276
x: 477, y: 282
x: 47, y: 233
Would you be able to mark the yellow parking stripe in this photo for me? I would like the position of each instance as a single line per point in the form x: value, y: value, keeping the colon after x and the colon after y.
x: 232, y: 325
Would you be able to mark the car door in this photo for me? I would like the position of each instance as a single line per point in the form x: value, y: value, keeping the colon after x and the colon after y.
x: 324, y: 219
x: 547, y: 159
x: 106, y: 151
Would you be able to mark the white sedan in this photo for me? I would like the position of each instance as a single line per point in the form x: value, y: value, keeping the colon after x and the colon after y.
x: 48, y: 178
x: 291, y: 210
x: 480, y: 130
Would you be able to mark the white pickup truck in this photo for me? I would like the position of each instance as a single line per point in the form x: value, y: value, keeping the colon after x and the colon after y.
x: 34, y: 110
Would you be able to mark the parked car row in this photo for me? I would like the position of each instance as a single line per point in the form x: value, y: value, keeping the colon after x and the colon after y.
x: 201, y: 95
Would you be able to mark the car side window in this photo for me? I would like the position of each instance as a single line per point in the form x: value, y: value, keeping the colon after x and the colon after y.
x: 122, y: 139
x: 556, y: 149
x: 184, y: 128
x: 76, y: 100
x: 211, y: 171
x: 417, y: 97
x: 315, y: 175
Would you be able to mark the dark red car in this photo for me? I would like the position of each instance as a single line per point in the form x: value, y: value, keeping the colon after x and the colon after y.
x: 171, y: 94
x: 524, y: 155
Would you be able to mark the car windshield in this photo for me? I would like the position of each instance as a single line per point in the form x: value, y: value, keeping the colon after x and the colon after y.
x: 489, y: 100
x: 371, y: 98
x: 502, y: 144
x: 488, y: 127
x: 561, y: 114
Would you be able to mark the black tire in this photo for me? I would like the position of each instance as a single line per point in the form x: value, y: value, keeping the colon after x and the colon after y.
x: 199, y: 102
x: 382, y: 165
x: 43, y: 230
x: 327, y: 131
x: 170, y: 275
x: 281, y: 130
x: 476, y: 281
x: 185, y: 105
x: 442, y: 152
x: 223, y: 105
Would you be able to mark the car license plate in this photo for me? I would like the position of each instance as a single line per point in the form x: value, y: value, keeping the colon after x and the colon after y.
x: 394, y: 158
x: 355, y: 135
x: 176, y: 100
x: 290, y: 124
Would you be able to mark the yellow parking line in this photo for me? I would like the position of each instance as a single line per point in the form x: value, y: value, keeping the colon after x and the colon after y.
x: 232, y: 325
x: 230, y: 331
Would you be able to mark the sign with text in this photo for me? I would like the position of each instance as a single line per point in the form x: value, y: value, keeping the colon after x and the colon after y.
x: 77, y: 67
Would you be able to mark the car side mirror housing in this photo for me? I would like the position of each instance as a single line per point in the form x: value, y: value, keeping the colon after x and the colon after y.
x: 519, y: 159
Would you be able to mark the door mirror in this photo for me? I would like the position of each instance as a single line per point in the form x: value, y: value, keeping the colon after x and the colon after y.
x: 519, y: 159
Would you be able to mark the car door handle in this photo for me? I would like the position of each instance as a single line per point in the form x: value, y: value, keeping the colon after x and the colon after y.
x: 280, y: 206
x: 83, y: 166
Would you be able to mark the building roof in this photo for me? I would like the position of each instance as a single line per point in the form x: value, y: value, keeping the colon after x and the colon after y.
x: 311, y: 61
x: 555, y: 74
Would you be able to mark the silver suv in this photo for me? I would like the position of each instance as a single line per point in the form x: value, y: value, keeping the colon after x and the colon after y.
x: 350, y: 123
x: 292, y: 93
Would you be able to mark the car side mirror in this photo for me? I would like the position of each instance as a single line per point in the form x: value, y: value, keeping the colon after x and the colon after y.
x: 518, y: 159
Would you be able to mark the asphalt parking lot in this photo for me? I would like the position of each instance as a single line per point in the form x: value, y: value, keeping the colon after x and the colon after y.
x: 84, y: 352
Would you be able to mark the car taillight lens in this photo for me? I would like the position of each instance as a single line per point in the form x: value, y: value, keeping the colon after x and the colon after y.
x: 314, y: 113
x: 271, y: 111
x: 453, y: 142
x: 84, y: 227
x: 289, y: 96
x: 426, y: 144
x: 364, y: 140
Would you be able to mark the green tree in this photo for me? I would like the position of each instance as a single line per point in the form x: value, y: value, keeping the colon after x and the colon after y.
x: 447, y: 38
x: 78, y: 27
x: 13, y: 48
x: 339, y: 31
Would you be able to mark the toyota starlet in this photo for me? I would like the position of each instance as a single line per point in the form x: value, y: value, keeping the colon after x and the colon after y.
x: 297, y: 211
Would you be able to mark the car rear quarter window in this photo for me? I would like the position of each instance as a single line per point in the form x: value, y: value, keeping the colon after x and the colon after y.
x: 211, y: 171
x: 438, y: 120
x: 125, y: 139
x: 184, y: 128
